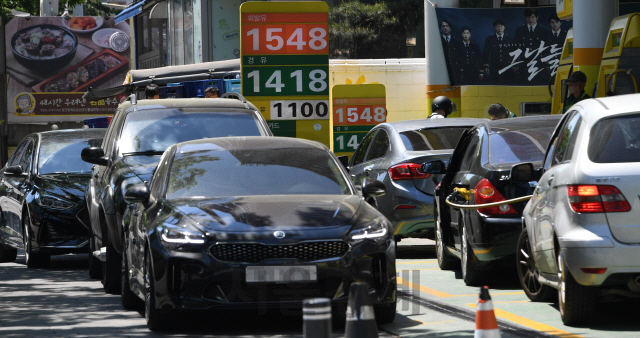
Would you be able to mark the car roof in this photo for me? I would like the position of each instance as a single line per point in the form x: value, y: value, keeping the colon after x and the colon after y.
x: 595, y: 109
x: 80, y: 132
x: 525, y: 122
x: 189, y: 103
x: 246, y: 142
x: 402, y: 126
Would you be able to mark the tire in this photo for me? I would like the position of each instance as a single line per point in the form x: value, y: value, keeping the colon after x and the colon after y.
x: 528, y: 273
x: 129, y: 299
x: 156, y: 319
x: 446, y: 261
x: 576, y: 302
x: 385, y: 313
x: 111, y: 270
x: 95, y: 266
x: 7, y: 254
x: 470, y: 274
x: 32, y: 259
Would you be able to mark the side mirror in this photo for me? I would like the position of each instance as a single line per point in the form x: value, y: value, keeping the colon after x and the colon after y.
x: 344, y: 160
x: 434, y: 167
x: 373, y: 188
x: 522, y: 172
x: 137, y: 193
x: 13, y: 170
x: 94, y: 155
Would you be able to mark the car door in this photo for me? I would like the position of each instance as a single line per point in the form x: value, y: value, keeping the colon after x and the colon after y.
x: 557, y: 163
x: 17, y: 187
x: 8, y: 214
x: 356, y: 167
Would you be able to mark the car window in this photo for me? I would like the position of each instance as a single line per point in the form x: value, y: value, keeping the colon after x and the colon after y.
x: 513, y: 146
x: 380, y: 145
x: 615, y: 140
x: 60, y: 153
x: 358, y: 157
x: 242, y: 172
x: 470, y: 153
x: 107, y: 144
x: 26, y: 157
x: 566, y: 140
x: 158, y: 181
x: 17, y: 153
x: 432, y: 138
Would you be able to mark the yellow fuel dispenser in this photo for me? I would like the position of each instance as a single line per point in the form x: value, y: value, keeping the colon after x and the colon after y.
x: 559, y: 92
x: 621, y: 57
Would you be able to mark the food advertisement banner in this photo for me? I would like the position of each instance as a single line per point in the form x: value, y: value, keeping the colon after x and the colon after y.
x: 52, y: 61
x: 504, y: 47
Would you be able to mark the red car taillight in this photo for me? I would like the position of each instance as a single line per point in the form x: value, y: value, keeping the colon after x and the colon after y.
x: 407, y: 171
x: 597, y: 198
x: 484, y: 193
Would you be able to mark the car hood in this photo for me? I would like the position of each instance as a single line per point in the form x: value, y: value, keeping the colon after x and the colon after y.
x: 142, y: 166
x: 68, y: 186
x: 270, y: 213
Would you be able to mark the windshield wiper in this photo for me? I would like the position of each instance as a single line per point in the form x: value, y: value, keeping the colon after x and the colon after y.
x: 146, y: 152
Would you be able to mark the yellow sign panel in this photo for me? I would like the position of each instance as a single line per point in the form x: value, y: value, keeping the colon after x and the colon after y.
x: 355, y: 110
x: 564, y: 8
x: 284, y: 49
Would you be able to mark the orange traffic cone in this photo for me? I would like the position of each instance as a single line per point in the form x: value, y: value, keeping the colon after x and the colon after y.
x: 486, y: 324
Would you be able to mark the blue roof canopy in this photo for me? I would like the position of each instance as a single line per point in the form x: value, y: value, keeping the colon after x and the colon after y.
x: 131, y: 11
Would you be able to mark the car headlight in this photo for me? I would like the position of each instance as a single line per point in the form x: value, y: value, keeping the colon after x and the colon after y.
x: 50, y: 202
x: 174, y: 236
x: 373, y: 229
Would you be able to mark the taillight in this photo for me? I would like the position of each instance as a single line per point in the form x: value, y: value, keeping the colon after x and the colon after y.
x: 597, y: 198
x: 597, y: 271
x: 407, y: 171
x: 485, y: 193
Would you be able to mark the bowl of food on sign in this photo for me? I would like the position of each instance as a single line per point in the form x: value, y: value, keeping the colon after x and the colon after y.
x: 101, y: 37
x: 83, y: 24
x: 44, y: 47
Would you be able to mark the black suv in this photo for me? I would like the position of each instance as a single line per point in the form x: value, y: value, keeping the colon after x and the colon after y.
x: 138, y: 135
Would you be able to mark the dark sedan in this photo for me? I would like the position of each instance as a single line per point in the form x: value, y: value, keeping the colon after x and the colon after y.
x: 42, y: 196
x: 393, y: 153
x: 480, y: 170
x: 251, y: 222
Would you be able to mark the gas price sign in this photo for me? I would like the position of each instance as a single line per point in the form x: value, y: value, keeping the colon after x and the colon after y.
x: 356, y: 109
x: 285, y: 65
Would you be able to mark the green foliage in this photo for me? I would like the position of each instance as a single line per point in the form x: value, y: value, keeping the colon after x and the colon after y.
x: 93, y: 7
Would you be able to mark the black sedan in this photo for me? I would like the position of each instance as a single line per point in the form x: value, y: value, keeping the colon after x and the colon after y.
x: 42, y: 196
x: 253, y: 222
x: 479, y: 173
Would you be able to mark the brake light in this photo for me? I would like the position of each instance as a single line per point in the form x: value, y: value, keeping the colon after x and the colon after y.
x: 597, y: 271
x: 597, y: 198
x: 407, y: 171
x: 484, y: 193
x: 404, y: 207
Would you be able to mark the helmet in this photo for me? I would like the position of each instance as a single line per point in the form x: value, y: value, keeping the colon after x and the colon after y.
x: 444, y: 103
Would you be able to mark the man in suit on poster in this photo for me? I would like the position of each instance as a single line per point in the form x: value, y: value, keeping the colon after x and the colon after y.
x: 469, y: 60
x: 450, y: 46
x: 529, y: 38
x: 557, y: 36
x: 496, y: 56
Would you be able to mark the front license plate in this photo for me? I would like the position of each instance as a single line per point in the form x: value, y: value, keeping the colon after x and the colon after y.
x: 282, y: 274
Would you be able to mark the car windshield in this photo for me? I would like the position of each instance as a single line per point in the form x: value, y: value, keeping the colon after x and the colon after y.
x: 615, y: 140
x: 155, y: 130
x: 246, y: 172
x: 515, y: 146
x: 60, y: 153
x: 432, y: 138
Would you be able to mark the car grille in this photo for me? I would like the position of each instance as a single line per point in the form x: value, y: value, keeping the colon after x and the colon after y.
x: 256, y: 253
x: 83, y: 216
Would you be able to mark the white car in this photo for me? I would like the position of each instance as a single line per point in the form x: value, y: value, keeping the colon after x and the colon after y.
x: 581, y: 228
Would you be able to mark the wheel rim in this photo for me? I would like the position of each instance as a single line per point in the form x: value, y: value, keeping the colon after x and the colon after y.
x: 527, y: 267
x: 561, y: 286
x: 464, y: 252
x: 439, y: 247
x: 123, y: 274
x: 147, y: 288
x: 27, y: 242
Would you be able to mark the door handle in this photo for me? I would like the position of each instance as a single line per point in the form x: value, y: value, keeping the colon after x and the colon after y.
x: 537, y: 189
x: 367, y: 172
x: 549, y: 180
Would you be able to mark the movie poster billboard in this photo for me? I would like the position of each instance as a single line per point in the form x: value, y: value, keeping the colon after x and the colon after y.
x: 51, y: 61
x: 503, y: 47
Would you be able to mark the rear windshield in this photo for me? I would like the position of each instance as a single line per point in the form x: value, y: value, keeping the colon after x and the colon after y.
x: 515, y: 146
x: 615, y: 140
x: 156, y: 130
x: 432, y: 138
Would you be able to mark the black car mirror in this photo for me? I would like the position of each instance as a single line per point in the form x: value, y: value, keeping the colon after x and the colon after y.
x: 373, y: 188
x: 138, y: 193
x: 434, y: 167
x: 94, y: 155
x: 13, y: 170
x: 522, y: 172
x: 344, y: 160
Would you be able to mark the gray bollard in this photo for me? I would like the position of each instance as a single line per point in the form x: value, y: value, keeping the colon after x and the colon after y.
x: 361, y: 320
x: 316, y: 314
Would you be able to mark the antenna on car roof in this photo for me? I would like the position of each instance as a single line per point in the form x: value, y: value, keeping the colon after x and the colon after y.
x: 134, y: 100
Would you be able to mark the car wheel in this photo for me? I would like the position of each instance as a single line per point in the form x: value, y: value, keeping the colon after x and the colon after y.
x: 95, y: 266
x: 32, y: 259
x: 528, y: 273
x: 156, y: 319
x: 446, y: 261
x: 7, y: 254
x: 385, y: 313
x: 111, y: 270
x: 470, y: 274
x: 576, y: 302
x: 129, y: 299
